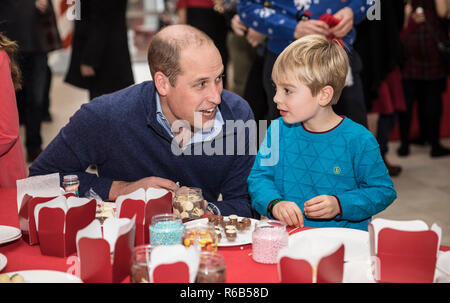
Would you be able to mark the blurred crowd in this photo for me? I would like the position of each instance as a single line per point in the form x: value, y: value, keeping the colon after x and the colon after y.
x: 397, y: 59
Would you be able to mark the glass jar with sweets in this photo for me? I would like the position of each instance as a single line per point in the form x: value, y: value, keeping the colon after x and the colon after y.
x: 166, y: 229
x: 188, y: 203
x: 268, y: 238
x: 71, y: 184
x: 202, y: 235
x: 212, y: 268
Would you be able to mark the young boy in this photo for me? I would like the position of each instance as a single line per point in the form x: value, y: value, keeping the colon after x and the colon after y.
x: 329, y: 172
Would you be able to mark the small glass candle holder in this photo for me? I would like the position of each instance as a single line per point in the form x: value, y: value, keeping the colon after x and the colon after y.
x: 212, y: 268
x: 268, y: 238
x: 166, y: 229
x: 140, y: 264
x: 203, y: 235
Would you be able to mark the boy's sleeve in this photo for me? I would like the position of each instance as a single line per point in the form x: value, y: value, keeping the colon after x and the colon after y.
x: 265, y: 20
x: 376, y: 189
x: 261, y: 184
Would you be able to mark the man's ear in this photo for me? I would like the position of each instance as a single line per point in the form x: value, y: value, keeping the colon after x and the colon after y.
x: 325, y: 95
x: 162, y: 83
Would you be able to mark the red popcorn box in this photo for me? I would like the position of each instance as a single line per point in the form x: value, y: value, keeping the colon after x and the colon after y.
x: 32, y: 191
x: 174, y: 264
x: 105, y: 251
x: 59, y: 220
x: 144, y: 204
x: 404, y: 251
x: 312, y: 261
x: 27, y: 220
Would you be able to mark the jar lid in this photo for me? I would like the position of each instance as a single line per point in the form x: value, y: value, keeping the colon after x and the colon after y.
x: 165, y: 217
x: 70, y: 178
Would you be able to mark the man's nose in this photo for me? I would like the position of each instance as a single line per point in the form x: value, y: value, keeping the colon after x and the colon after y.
x: 214, y: 94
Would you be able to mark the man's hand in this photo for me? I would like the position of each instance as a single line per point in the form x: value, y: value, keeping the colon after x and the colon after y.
x: 255, y: 38
x: 238, y: 27
x: 321, y: 207
x: 289, y: 213
x: 119, y: 188
x: 345, y: 25
x: 87, y: 70
x: 310, y: 27
x: 41, y: 5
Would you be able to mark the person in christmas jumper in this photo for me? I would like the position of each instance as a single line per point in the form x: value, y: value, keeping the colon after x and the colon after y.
x: 284, y: 21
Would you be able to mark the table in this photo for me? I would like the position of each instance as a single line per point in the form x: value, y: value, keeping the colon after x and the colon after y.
x: 240, y: 266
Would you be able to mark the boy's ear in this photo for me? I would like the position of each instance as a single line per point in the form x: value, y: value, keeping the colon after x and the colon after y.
x: 162, y: 83
x: 325, y: 95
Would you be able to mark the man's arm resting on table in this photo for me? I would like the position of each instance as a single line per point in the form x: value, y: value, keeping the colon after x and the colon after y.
x: 119, y: 188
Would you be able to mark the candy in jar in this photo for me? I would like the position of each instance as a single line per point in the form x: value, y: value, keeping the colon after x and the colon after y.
x: 268, y: 238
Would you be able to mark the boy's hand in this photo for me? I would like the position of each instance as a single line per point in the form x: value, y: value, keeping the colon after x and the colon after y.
x: 321, y: 207
x: 289, y: 213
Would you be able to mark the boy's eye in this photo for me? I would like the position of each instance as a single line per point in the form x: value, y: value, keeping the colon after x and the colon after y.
x: 287, y: 91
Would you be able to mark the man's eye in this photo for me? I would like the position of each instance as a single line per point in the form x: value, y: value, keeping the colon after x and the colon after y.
x: 220, y: 78
x: 201, y: 84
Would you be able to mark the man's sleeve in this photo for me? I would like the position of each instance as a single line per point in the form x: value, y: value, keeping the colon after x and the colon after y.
x: 376, y: 189
x: 80, y: 143
x: 261, y: 181
x: 266, y: 20
x: 236, y: 199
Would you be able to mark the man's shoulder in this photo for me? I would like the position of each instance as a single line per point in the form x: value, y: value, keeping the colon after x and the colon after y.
x: 123, y: 101
x: 234, y: 107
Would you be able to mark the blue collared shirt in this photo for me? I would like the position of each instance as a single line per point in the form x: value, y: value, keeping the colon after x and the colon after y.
x: 199, y: 136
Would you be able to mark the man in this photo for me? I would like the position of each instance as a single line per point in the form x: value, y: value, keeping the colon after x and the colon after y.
x: 284, y: 21
x: 135, y: 137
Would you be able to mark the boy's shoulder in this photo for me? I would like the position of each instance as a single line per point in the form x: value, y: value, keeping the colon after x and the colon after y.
x: 357, y: 134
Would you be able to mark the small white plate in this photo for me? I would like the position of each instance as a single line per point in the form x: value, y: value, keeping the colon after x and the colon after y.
x: 9, y: 233
x: 3, y: 261
x: 46, y: 276
x: 356, y: 241
x: 242, y: 238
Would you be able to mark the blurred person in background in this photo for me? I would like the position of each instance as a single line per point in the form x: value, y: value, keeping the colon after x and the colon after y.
x: 247, y: 48
x: 284, y: 21
x: 23, y: 21
x: 100, y: 60
x: 378, y: 43
x: 209, y: 17
x: 424, y: 73
x: 12, y: 161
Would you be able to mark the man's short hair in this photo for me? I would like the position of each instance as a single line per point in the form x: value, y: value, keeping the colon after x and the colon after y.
x: 165, y: 49
x: 316, y: 62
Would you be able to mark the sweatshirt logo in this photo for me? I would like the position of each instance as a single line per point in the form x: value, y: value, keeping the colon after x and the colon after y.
x: 337, y: 170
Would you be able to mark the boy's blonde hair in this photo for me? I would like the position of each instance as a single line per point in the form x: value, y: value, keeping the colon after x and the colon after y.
x: 314, y: 61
